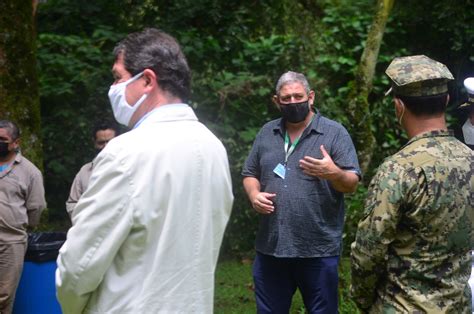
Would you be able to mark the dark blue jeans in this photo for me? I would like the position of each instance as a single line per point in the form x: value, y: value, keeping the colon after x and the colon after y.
x: 276, y: 280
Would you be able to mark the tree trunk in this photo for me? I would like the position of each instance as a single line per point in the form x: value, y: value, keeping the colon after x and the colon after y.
x: 19, y: 98
x: 358, y: 107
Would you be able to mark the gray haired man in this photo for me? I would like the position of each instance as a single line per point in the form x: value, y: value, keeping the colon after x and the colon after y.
x: 295, y: 176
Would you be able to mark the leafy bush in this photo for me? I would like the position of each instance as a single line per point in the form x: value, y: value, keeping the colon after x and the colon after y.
x: 234, y: 289
x: 237, y: 51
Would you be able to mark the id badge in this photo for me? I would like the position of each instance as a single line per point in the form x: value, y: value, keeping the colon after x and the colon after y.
x: 280, y: 171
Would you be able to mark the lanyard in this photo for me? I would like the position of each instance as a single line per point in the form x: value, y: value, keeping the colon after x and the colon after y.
x: 293, y: 145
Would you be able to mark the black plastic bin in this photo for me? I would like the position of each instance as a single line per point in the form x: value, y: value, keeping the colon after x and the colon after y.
x: 44, y: 246
x: 36, y: 292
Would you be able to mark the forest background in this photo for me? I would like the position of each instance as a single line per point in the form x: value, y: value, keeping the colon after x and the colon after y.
x: 55, y: 62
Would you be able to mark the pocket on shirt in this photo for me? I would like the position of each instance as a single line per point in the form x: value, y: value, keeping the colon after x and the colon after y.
x: 316, y: 210
x: 311, y: 184
x: 12, y: 198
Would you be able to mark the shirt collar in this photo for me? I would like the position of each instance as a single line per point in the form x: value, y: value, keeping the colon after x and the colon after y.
x: 468, y: 132
x: 279, y: 125
x: 169, y: 112
x: 435, y: 133
x: 18, y: 158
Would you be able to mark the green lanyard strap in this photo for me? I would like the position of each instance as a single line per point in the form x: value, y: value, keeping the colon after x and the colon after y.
x: 292, y: 147
x: 289, y: 151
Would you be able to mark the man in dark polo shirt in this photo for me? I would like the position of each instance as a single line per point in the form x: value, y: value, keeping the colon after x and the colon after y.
x: 295, y: 176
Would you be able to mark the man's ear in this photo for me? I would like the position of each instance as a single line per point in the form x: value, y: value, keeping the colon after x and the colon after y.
x: 311, y: 96
x: 150, y: 78
x: 16, y: 143
x: 398, y: 105
x: 276, y: 102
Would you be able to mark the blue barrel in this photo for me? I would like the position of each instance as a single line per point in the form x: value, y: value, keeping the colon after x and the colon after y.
x: 36, y: 293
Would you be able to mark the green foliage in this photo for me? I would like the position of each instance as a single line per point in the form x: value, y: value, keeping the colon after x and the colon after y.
x: 18, y: 77
x: 341, y: 41
x: 237, y: 51
x: 346, y: 305
x: 74, y: 74
x: 354, y: 210
x: 234, y: 289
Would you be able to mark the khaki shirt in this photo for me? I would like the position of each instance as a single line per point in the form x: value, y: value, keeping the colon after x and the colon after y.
x: 79, y: 186
x: 21, y: 199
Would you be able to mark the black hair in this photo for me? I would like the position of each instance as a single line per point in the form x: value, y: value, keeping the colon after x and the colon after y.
x: 105, y: 125
x: 13, y: 129
x: 425, y: 105
x: 154, y: 49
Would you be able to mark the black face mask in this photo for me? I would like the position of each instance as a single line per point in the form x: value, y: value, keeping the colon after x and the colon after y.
x: 295, y: 112
x: 4, y: 149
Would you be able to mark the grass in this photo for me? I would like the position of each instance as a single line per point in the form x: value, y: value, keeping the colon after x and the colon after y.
x: 234, y: 289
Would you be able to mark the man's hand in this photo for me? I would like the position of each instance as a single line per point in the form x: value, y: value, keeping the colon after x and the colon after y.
x: 262, y: 202
x: 325, y: 168
x: 322, y: 168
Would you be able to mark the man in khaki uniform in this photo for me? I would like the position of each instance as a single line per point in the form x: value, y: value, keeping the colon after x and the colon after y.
x: 103, y: 133
x: 21, y: 202
x: 412, y: 248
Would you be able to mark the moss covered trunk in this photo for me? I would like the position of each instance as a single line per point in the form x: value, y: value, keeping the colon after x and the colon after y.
x: 358, y: 108
x: 19, y: 98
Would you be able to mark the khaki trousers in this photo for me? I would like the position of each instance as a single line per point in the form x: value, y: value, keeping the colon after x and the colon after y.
x: 11, y: 265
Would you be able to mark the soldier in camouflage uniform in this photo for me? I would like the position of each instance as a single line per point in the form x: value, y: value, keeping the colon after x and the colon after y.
x: 412, y: 248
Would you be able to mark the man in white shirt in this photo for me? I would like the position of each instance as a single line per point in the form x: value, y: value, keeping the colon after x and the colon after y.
x: 466, y: 132
x: 147, y: 231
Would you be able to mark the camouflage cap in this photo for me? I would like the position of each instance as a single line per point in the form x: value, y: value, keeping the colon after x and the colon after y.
x: 418, y: 76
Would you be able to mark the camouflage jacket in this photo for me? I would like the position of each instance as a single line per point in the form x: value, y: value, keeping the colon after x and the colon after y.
x: 412, y: 248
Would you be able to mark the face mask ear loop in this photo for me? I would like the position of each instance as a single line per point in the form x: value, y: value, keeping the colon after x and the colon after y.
x: 403, y: 112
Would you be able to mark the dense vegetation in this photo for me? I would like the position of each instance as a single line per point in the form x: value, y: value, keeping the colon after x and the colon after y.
x: 237, y: 50
x: 19, y: 98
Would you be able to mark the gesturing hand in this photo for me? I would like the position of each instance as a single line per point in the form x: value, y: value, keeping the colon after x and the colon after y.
x: 262, y: 203
x: 322, y: 168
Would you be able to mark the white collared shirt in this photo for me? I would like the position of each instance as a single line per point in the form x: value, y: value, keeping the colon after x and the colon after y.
x: 468, y: 132
x: 147, y: 231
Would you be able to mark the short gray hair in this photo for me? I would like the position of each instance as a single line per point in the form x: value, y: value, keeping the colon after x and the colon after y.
x: 12, y: 129
x: 292, y: 77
